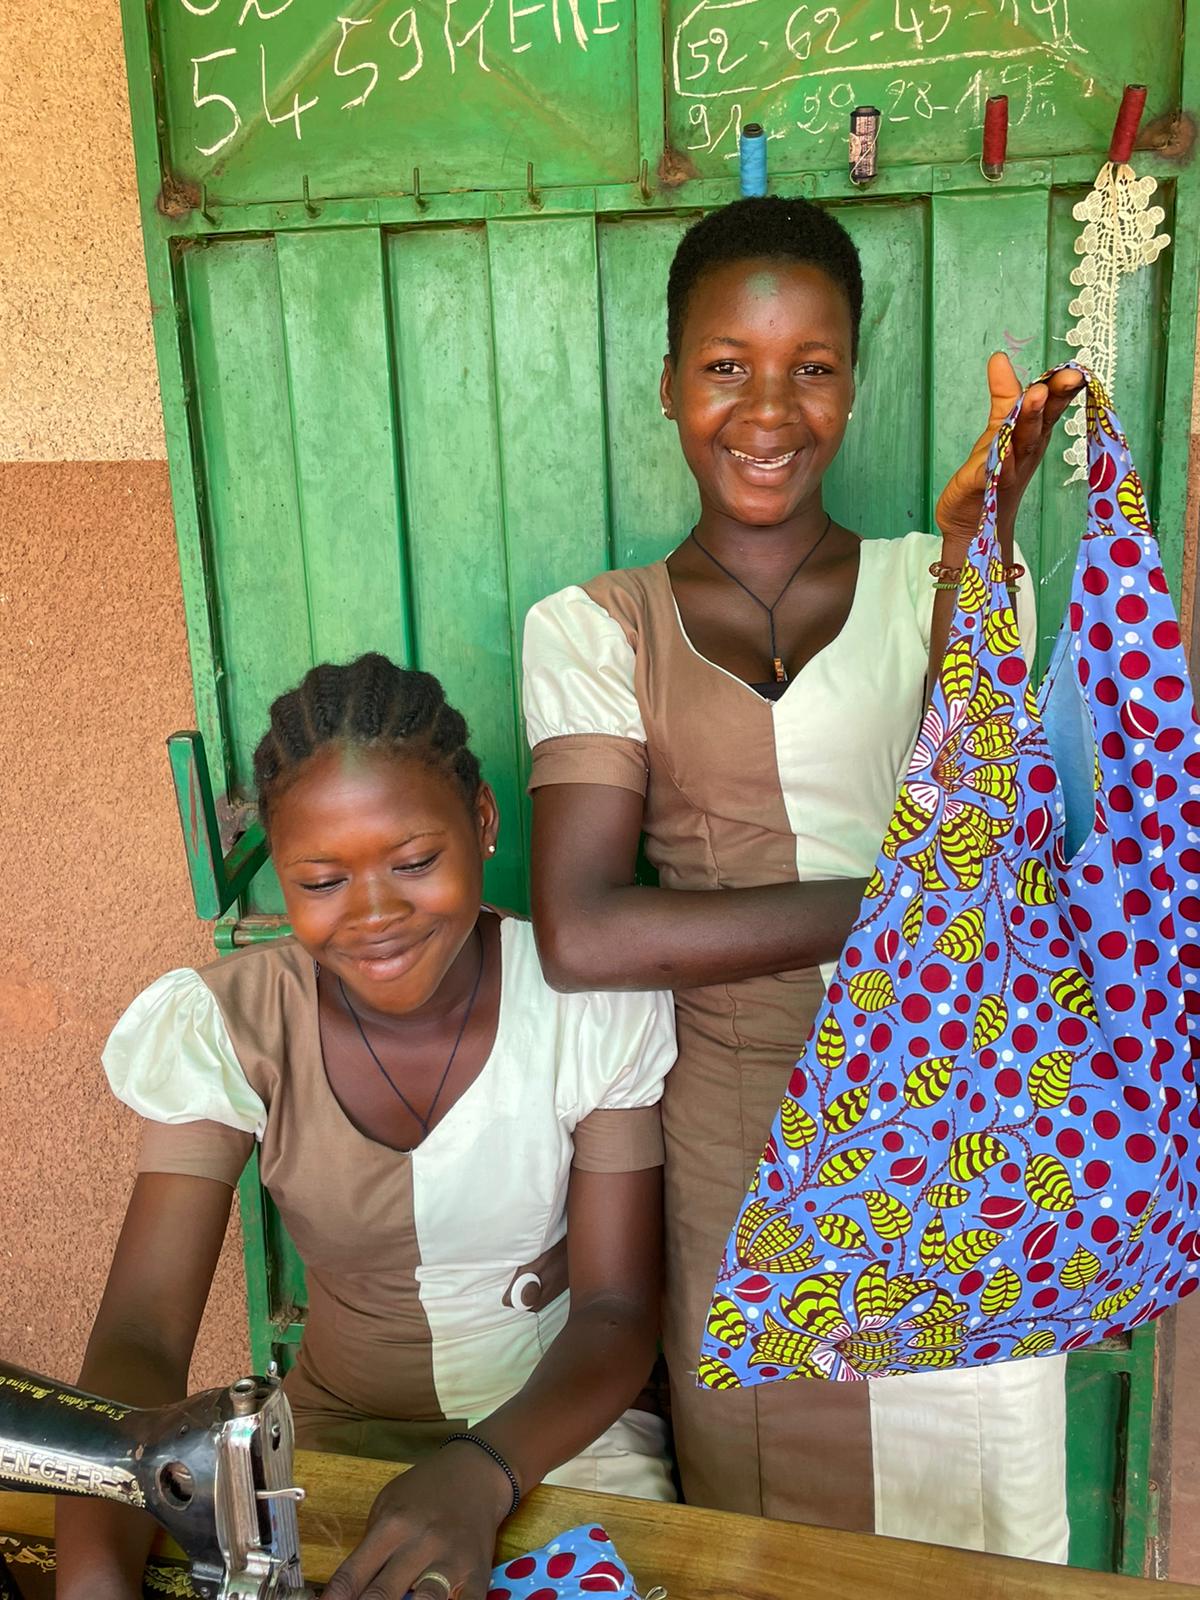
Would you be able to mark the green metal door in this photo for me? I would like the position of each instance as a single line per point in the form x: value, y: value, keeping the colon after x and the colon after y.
x: 408, y: 266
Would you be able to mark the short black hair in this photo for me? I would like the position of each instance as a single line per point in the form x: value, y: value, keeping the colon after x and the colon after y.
x: 767, y: 227
x: 372, y: 703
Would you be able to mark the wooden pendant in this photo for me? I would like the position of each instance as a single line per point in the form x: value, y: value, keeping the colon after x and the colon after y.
x: 780, y: 671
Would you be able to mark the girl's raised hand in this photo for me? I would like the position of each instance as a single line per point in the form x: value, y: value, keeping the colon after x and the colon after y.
x: 961, y: 501
x: 440, y: 1519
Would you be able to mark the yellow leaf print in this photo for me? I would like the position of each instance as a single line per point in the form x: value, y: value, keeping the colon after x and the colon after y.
x: 986, y: 702
x: 1047, y: 1184
x: 966, y: 838
x: 1071, y: 990
x: 875, y: 886
x: 933, y: 1241
x: 1031, y: 700
x: 973, y: 1153
x: 1000, y: 1293
x: 871, y: 1293
x: 994, y: 739
x: 779, y: 1246
x: 830, y: 1044
x: 909, y: 821
x: 1139, y: 1226
x: 967, y: 1249
x: 1132, y: 501
x: 1050, y: 1079
x: 871, y: 1350
x: 958, y: 671
x: 962, y: 937
x: 928, y: 1081
x: 843, y: 1233
x: 1000, y: 631
x: 946, y: 1336
x: 848, y: 1109
x: 1035, y: 886
x: 872, y: 990
x: 727, y: 1324
x: 946, y: 1196
x: 714, y: 1374
x: 780, y: 1346
x: 1106, y: 1309
x: 990, y: 1021
x: 925, y: 863
x: 1034, y: 1344
x: 814, y: 1306
x: 996, y: 781
x: 1083, y: 1268
x: 798, y: 1127
x: 890, y: 1217
x: 972, y: 591
x: 913, y: 919
x: 945, y: 1308
x: 844, y: 1168
x: 930, y: 1360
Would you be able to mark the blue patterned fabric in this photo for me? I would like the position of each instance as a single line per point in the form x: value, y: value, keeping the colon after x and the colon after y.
x: 988, y: 1149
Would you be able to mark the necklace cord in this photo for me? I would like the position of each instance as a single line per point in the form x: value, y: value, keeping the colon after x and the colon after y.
x: 422, y: 1122
x: 776, y: 660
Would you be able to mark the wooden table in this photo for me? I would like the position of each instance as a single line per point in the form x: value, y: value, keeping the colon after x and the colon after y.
x: 693, y: 1554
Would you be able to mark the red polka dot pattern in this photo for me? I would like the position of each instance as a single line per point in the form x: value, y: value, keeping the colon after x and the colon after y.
x: 992, y: 1150
x: 578, y: 1563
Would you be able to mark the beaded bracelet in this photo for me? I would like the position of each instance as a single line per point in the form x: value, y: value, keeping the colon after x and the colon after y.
x: 490, y: 1450
x: 947, y: 577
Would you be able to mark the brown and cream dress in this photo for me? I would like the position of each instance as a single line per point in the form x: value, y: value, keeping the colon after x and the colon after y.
x: 742, y: 791
x: 437, y: 1278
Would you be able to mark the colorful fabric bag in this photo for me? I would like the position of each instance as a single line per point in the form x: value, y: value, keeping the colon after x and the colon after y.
x: 574, y: 1566
x: 989, y: 1148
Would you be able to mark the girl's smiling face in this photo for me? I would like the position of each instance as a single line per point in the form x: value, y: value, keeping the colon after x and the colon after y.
x: 761, y: 386
x: 380, y: 858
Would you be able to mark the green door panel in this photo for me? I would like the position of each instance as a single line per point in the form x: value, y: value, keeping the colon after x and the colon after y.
x: 395, y: 420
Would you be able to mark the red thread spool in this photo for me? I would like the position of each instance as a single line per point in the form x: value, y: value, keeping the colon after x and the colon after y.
x: 995, y: 135
x: 1133, y: 103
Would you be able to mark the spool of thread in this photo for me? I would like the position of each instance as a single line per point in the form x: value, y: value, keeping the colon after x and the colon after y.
x: 1129, y: 117
x: 752, y: 150
x: 995, y: 136
x: 864, y: 144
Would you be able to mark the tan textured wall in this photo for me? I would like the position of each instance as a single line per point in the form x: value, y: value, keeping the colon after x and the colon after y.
x: 77, y: 379
x: 93, y: 676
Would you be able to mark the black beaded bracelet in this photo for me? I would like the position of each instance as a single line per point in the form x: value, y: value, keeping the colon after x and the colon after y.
x: 490, y: 1450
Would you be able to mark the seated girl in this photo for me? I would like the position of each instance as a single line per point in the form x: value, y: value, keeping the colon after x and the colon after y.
x: 452, y: 1146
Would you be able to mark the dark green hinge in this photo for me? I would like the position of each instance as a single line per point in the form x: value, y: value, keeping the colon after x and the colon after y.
x: 217, y: 879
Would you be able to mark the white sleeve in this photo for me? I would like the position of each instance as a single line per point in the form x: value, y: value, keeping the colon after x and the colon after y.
x: 625, y: 1046
x: 171, y: 1060
x: 578, y: 671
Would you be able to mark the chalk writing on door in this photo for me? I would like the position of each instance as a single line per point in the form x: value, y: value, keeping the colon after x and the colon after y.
x: 349, y: 60
x: 917, y: 60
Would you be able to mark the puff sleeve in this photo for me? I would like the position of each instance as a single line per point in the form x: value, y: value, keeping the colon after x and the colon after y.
x: 626, y: 1046
x: 171, y: 1060
x: 582, y: 717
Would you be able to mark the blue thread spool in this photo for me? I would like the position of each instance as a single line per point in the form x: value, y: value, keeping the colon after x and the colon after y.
x: 753, y: 159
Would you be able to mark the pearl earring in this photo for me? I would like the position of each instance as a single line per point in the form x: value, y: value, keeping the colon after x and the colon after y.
x: 849, y: 416
x: 666, y: 413
x: 491, y: 849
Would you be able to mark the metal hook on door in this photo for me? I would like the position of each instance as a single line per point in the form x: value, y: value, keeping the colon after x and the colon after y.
x: 418, y: 198
x: 204, y: 211
x: 217, y: 879
x: 535, y: 199
x: 644, y: 188
x: 309, y: 209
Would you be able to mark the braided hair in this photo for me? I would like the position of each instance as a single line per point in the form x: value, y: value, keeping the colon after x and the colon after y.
x: 766, y: 227
x: 369, y: 702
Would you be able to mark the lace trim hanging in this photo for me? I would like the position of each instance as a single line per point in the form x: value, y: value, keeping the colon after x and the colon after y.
x: 1120, y: 234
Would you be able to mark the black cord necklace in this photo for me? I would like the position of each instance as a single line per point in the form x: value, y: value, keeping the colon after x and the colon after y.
x: 421, y: 1121
x: 776, y: 660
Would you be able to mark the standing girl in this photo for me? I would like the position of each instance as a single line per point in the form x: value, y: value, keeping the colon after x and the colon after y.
x: 749, y: 705
x: 452, y: 1146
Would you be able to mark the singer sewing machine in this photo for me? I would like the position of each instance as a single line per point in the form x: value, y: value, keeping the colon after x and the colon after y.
x: 215, y: 1470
